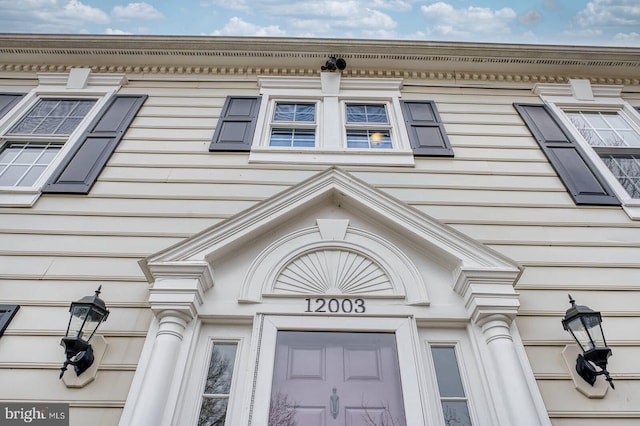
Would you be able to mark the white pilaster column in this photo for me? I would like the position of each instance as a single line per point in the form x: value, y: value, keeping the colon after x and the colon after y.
x: 492, y: 304
x: 157, y: 380
x: 511, y: 378
x: 175, y: 297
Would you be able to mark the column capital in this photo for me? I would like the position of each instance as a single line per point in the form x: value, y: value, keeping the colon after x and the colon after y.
x: 178, y: 288
x: 488, y: 293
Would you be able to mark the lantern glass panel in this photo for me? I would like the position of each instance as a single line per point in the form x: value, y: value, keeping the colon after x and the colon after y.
x: 76, y: 322
x: 87, y: 315
x: 595, y: 330
x: 587, y: 331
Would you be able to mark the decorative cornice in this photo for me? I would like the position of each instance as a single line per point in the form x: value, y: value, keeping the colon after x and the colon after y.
x: 246, y: 56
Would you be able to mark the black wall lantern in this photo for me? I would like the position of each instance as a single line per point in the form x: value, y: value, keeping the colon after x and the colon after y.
x: 585, y: 325
x: 86, y: 316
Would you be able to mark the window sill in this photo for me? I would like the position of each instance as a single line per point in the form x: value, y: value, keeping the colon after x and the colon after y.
x: 632, y: 208
x: 18, y: 197
x: 346, y: 157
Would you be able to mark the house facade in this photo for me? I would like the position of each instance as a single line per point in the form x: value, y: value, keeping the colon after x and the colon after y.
x: 319, y: 232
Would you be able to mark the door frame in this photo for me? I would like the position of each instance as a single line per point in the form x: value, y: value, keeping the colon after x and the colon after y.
x: 404, y: 328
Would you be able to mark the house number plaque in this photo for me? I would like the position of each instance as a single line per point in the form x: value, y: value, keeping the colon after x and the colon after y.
x: 347, y: 306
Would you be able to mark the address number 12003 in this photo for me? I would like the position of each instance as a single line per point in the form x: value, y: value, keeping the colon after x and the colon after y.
x: 347, y: 306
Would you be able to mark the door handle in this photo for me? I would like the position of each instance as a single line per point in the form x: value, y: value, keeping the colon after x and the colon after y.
x: 334, y: 404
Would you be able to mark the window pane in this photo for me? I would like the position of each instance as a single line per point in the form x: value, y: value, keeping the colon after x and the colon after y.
x: 292, y: 137
x: 213, y: 412
x: 456, y: 413
x: 53, y: 117
x: 67, y: 126
x: 220, y: 368
x: 366, y: 113
x: 626, y: 168
x: 604, y: 128
x: 26, y: 126
x: 447, y: 373
x: 12, y: 175
x: 292, y: 112
x: 368, y: 138
x: 10, y: 152
x: 25, y: 162
x: 32, y: 175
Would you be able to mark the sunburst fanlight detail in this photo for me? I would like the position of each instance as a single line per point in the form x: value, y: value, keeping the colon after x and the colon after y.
x: 333, y: 271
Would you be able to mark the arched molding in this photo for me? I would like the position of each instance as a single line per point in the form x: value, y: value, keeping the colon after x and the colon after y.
x: 328, y: 249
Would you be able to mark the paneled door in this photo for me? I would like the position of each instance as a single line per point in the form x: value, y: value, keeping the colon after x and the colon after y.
x: 336, y: 379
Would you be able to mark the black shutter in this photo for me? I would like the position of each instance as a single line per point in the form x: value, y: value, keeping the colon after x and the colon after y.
x: 7, y: 313
x: 7, y: 101
x: 581, y: 178
x: 237, y: 123
x: 81, y: 167
x: 426, y: 131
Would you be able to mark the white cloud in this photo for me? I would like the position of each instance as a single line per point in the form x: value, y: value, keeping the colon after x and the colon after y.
x: 136, y: 11
x: 332, y: 18
x: 630, y: 39
x: 230, y: 4
x: 237, y: 27
x: 61, y: 16
x: 395, y: 5
x: 444, y: 19
x: 530, y: 18
x: 609, y: 12
x: 584, y: 33
x: 75, y: 9
x: 116, y: 31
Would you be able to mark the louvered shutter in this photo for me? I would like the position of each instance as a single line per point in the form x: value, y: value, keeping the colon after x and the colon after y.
x: 84, y: 163
x: 7, y: 312
x: 579, y: 175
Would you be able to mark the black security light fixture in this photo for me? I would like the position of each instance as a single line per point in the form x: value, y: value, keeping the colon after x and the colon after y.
x: 585, y: 325
x: 334, y: 64
x: 86, y: 316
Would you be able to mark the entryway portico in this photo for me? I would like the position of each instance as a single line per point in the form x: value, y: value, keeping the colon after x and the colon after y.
x: 293, y: 277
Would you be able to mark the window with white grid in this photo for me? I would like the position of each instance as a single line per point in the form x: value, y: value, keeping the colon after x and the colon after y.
x: 293, y: 125
x: 615, y: 140
x: 31, y: 144
x: 367, y: 126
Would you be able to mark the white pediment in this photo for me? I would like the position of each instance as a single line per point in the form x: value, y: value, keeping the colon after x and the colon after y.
x: 333, y: 254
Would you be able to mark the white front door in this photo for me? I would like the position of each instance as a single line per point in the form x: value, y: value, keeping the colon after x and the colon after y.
x: 336, y: 379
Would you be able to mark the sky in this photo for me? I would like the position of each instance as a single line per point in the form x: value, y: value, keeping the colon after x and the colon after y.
x: 556, y: 22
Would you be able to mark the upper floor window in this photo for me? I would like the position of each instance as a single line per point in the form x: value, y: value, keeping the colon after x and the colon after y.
x: 293, y: 125
x: 58, y: 137
x: 592, y: 137
x: 33, y: 142
x: 367, y: 126
x: 330, y: 121
x: 616, y: 141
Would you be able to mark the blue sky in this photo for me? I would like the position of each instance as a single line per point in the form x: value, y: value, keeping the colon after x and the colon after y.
x: 558, y: 22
